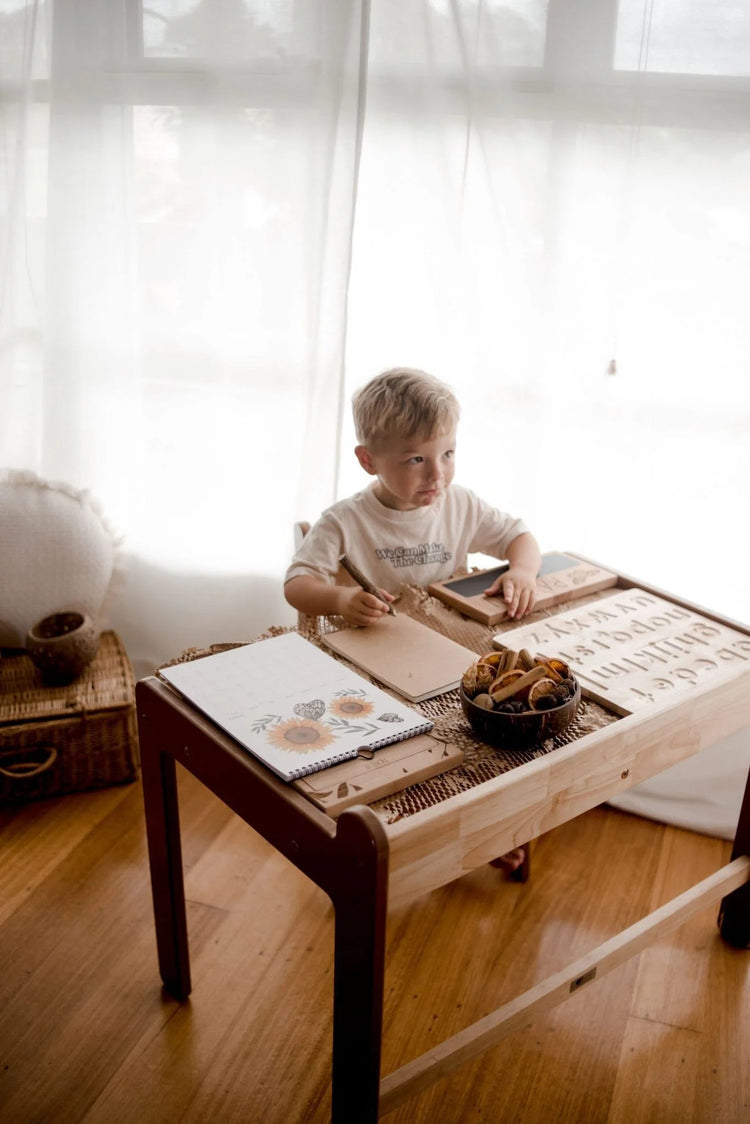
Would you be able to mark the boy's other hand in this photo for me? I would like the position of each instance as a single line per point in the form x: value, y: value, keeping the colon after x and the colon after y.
x: 361, y: 608
x: 517, y: 587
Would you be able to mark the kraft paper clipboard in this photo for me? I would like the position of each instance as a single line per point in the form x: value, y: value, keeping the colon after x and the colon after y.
x: 390, y: 770
x: 405, y: 655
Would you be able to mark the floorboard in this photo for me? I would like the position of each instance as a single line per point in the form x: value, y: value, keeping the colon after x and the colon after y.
x: 87, y: 1034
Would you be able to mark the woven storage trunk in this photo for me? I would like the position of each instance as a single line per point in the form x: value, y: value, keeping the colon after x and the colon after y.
x: 57, y: 740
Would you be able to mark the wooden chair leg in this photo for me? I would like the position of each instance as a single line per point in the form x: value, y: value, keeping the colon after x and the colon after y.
x: 519, y: 873
x: 523, y: 872
x: 734, y: 912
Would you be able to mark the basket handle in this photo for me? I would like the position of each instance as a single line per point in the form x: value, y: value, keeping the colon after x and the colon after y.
x: 21, y: 770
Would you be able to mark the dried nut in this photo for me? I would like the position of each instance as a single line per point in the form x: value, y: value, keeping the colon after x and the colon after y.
x: 485, y: 676
x: 469, y: 681
x: 568, y: 687
x: 542, y: 693
x: 483, y: 700
x: 476, y: 678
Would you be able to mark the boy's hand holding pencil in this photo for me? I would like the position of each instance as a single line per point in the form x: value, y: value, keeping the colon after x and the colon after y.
x: 366, y: 604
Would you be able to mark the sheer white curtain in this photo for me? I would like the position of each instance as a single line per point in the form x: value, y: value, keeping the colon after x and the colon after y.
x: 554, y: 215
x: 179, y: 185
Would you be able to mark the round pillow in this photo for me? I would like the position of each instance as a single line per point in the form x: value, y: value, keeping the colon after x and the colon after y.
x: 56, y: 553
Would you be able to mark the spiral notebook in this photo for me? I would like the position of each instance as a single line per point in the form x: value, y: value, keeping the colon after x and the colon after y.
x: 295, y: 708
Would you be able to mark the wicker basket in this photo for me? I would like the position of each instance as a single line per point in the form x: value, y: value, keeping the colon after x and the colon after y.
x: 57, y: 740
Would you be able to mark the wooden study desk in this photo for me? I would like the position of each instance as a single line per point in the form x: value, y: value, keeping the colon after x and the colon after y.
x: 369, y: 859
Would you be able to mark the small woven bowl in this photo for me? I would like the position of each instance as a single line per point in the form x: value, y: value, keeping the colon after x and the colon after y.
x: 63, y: 645
x: 519, y: 731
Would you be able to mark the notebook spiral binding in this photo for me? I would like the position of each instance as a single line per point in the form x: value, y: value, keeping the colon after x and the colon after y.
x: 412, y: 732
x: 402, y: 736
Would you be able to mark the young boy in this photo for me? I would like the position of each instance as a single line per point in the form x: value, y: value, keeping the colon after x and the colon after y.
x: 413, y: 524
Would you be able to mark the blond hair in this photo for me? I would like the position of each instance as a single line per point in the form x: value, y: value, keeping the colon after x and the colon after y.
x: 403, y: 402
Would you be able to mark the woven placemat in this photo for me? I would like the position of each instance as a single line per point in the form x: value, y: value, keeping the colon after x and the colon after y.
x: 107, y: 682
x: 481, y: 761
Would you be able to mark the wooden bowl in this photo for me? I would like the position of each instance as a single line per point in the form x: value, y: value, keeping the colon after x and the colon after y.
x: 63, y: 645
x: 523, y: 730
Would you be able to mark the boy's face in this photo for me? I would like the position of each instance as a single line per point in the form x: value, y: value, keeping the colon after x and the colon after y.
x: 412, y: 472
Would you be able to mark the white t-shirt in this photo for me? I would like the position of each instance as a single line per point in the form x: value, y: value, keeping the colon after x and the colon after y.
x: 396, y: 547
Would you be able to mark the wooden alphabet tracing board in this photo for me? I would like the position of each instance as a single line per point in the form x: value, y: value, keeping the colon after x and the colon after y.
x: 632, y: 648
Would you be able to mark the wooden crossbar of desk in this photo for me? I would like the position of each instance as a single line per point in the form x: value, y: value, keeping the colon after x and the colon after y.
x: 521, y: 1011
x: 365, y: 865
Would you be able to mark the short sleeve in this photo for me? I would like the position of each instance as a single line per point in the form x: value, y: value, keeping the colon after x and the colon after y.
x: 319, y: 552
x: 494, y: 530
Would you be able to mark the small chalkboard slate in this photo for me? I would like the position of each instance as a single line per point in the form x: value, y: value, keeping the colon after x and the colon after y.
x: 476, y: 583
x: 562, y: 577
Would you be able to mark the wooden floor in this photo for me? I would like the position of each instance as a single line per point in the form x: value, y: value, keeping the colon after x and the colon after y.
x: 86, y: 1033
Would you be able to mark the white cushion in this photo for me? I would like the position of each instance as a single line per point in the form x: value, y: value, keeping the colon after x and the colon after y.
x: 56, y: 552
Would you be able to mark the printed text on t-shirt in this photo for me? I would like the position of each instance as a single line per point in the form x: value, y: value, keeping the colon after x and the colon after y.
x: 423, y: 555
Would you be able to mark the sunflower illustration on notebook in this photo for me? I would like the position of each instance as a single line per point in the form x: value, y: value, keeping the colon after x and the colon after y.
x: 293, y: 706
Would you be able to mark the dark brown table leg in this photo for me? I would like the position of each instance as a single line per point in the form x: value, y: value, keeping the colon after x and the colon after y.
x: 348, y: 859
x: 165, y: 859
x: 734, y: 912
x: 360, y: 902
